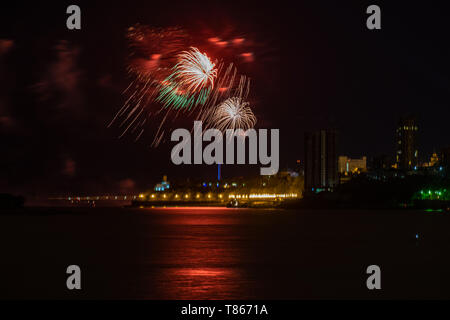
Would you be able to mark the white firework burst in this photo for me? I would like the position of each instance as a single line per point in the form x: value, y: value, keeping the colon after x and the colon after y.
x: 234, y: 113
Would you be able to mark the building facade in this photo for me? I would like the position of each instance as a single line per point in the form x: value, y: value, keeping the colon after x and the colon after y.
x: 349, y: 166
x: 406, y: 144
x: 162, y: 186
x: 321, y: 163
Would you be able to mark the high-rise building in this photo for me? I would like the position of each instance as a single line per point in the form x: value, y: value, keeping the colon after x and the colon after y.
x: 321, y: 163
x: 406, y: 144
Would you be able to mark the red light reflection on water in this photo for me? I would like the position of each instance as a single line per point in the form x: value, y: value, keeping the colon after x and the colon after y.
x: 200, y: 283
x: 211, y: 216
x: 193, y: 208
x: 199, y: 272
x: 197, y: 255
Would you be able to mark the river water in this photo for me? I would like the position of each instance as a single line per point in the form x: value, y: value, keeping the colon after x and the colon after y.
x: 222, y: 253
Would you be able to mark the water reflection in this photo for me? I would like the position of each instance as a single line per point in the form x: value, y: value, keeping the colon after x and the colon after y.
x: 199, y: 283
x: 218, y: 253
x: 195, y: 254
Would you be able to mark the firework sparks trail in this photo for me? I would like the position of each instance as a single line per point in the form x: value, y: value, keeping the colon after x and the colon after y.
x: 153, y: 54
x: 191, y: 81
x: 225, y: 79
x: 196, y: 70
x: 224, y: 85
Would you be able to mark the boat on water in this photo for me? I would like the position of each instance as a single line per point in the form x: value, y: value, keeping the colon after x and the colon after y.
x: 236, y: 203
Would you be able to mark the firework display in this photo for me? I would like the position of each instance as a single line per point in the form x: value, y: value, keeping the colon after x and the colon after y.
x: 171, y: 76
x: 191, y: 81
x: 235, y: 111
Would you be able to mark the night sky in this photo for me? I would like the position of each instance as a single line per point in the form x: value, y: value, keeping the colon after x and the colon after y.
x: 315, y: 65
